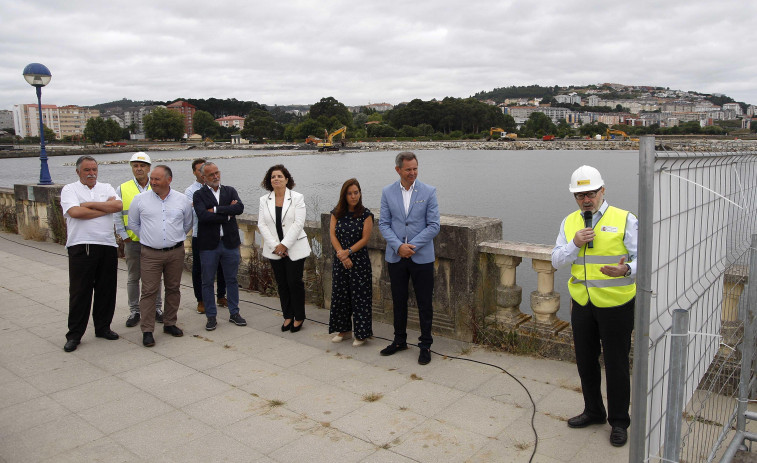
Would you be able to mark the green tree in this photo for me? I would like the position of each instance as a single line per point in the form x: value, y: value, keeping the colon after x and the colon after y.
x: 259, y: 124
x: 113, y: 131
x: 329, y: 107
x: 564, y: 129
x: 590, y: 130
x: 49, y: 134
x: 538, y: 125
x: 204, y: 124
x: 163, y: 124
x: 96, y: 130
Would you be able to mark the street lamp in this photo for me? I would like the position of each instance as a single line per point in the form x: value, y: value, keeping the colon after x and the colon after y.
x: 38, y: 76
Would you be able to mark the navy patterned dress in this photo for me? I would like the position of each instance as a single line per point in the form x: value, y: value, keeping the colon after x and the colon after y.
x: 352, y: 290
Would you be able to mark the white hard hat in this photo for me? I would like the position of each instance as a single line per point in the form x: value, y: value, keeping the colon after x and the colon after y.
x: 585, y: 178
x: 140, y: 157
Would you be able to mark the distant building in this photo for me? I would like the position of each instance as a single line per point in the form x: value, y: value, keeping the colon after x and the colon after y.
x: 26, y: 119
x: 73, y: 119
x: 6, y: 119
x: 571, y: 98
x: 380, y: 107
x: 188, y: 111
x: 231, y: 121
x: 522, y: 113
x: 593, y: 100
x: 735, y: 107
x: 136, y: 117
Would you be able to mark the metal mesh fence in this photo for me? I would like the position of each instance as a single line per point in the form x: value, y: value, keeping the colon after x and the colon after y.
x: 697, y: 213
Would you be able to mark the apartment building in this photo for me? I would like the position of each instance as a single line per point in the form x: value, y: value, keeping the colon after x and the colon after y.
x: 26, y: 119
x: 73, y: 119
x: 6, y: 119
x: 188, y: 111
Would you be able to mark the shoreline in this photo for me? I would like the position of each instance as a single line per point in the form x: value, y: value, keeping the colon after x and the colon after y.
x: 700, y: 144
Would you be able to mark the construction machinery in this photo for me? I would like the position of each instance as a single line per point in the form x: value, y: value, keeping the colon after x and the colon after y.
x: 311, y: 140
x: 328, y: 144
x: 610, y: 132
x: 504, y: 136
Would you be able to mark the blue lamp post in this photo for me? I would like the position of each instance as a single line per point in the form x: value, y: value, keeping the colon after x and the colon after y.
x: 38, y: 76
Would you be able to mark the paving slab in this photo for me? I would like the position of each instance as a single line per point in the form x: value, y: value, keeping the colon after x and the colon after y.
x: 257, y: 394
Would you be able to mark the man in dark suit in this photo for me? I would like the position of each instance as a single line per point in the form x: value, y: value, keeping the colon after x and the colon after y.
x: 218, y: 240
x: 409, y: 222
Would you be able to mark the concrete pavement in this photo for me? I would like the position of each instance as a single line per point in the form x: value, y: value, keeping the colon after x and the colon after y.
x: 254, y: 394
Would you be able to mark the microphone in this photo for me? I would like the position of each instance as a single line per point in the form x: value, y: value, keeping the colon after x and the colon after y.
x: 587, y: 224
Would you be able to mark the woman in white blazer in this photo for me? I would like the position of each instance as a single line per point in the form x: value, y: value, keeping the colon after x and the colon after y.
x: 281, y: 221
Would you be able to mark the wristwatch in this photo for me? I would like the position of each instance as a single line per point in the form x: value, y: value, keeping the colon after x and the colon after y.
x: 628, y: 272
x: 349, y: 251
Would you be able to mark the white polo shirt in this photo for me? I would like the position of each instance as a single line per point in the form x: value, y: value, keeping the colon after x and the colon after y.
x: 88, y: 231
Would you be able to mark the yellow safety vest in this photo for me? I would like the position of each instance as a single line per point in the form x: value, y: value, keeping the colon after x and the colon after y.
x: 587, y: 282
x: 128, y: 191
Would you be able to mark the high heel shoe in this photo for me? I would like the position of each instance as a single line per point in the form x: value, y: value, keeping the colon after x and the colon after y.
x: 295, y: 329
x: 288, y: 327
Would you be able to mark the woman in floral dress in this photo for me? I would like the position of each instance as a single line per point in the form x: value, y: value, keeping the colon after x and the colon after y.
x: 351, y: 287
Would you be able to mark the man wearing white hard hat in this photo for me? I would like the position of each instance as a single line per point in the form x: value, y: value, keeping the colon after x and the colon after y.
x: 140, y: 182
x: 599, y: 241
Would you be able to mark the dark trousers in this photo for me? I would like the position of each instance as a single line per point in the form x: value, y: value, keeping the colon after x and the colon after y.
x: 288, y: 275
x: 229, y: 260
x: 91, y: 268
x: 607, y: 329
x: 197, y: 274
x: 422, y: 275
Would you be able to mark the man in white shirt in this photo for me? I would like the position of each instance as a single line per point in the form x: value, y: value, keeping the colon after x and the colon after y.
x: 161, y: 217
x: 88, y: 207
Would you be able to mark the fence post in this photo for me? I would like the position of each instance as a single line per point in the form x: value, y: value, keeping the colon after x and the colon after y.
x: 676, y: 384
x: 747, y: 346
x: 643, y: 301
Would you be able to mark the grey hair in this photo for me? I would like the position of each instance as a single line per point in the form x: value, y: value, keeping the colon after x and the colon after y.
x: 404, y: 156
x: 84, y: 158
x: 208, y: 163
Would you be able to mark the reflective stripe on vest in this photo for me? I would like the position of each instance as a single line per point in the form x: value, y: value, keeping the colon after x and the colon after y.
x: 128, y: 191
x: 587, y: 282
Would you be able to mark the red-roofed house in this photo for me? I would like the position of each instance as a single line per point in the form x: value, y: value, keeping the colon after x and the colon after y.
x: 231, y: 121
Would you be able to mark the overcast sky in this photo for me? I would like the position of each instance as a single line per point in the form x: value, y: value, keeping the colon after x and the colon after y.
x: 297, y: 52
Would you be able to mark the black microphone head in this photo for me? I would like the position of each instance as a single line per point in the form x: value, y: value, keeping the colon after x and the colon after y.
x: 587, y: 215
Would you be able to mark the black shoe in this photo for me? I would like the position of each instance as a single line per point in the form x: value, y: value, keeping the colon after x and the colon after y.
x: 159, y: 317
x: 147, y: 339
x: 295, y: 329
x: 583, y: 420
x: 211, y: 325
x: 425, y: 356
x: 110, y: 335
x: 173, y: 330
x: 238, y: 320
x: 133, y: 320
x: 392, y: 349
x: 618, y: 436
x: 287, y: 327
x: 71, y: 345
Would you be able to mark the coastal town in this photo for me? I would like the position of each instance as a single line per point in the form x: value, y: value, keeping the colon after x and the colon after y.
x: 565, y: 112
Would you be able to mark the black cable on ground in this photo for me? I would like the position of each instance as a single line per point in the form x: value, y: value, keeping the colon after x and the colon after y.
x: 533, y: 404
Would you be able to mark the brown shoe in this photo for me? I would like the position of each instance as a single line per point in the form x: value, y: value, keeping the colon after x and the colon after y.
x: 222, y: 302
x: 200, y: 307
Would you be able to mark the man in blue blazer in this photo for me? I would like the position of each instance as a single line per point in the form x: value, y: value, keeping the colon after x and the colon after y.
x: 409, y: 222
x: 218, y: 240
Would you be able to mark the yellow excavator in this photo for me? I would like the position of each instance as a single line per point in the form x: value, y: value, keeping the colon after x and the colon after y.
x: 504, y: 136
x: 328, y: 144
x: 610, y: 132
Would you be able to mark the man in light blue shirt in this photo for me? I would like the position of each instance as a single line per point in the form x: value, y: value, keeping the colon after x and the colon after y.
x: 196, y: 265
x: 161, y: 218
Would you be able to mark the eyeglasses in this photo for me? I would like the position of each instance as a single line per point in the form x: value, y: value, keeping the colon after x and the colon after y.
x: 588, y: 194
